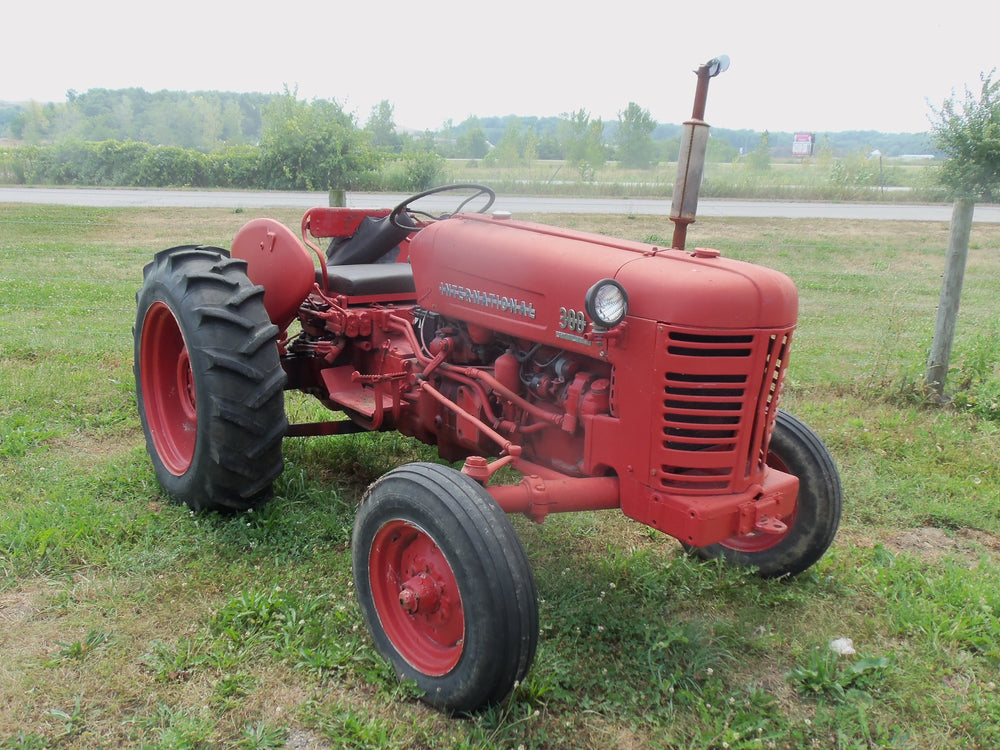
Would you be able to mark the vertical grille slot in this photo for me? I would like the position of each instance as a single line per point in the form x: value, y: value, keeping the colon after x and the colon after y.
x: 767, y: 409
x: 719, y: 398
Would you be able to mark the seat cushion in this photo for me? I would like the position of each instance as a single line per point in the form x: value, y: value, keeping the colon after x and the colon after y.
x: 366, y: 279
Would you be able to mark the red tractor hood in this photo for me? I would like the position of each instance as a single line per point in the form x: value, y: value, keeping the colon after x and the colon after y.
x: 522, y: 278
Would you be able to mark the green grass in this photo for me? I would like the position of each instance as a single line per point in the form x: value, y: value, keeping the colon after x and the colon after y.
x: 127, y: 621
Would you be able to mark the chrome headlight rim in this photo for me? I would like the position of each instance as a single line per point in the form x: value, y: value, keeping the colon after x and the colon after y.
x: 606, y: 303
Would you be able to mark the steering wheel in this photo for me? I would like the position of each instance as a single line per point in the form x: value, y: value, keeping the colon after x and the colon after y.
x: 394, y: 216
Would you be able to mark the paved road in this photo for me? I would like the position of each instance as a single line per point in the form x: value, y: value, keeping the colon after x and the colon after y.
x: 514, y: 204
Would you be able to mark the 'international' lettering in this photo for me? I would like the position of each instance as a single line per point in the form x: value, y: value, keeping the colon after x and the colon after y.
x: 488, y: 299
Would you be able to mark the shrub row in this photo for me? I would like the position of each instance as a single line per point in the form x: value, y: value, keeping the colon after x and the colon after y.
x: 135, y: 164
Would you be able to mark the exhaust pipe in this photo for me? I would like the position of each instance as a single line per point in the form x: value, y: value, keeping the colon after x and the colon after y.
x: 691, y: 161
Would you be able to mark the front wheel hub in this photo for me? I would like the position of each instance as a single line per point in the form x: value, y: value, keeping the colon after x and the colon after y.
x: 416, y: 595
x: 419, y: 594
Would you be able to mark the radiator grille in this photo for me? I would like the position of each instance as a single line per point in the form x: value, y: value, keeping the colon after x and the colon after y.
x: 720, y: 398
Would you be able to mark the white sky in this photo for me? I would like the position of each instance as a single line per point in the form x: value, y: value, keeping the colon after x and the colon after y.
x: 805, y: 65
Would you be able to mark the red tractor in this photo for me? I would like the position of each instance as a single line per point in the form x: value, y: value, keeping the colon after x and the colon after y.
x: 505, y: 344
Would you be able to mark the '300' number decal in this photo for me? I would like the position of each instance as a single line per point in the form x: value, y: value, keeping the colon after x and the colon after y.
x: 572, y: 320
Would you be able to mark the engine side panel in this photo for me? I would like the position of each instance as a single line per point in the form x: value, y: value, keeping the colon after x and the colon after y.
x: 522, y: 279
x: 495, y: 274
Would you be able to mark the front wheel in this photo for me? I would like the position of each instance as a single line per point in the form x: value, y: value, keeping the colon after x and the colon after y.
x: 445, y: 586
x: 208, y: 380
x: 795, y: 449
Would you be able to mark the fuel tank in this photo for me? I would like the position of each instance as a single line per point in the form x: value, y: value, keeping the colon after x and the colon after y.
x: 523, y: 279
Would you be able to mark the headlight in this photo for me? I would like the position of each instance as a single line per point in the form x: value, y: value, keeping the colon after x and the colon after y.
x: 606, y: 303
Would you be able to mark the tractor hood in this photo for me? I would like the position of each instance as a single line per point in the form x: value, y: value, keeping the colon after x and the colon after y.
x: 523, y: 279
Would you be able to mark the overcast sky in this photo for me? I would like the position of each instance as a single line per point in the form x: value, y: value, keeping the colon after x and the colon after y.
x: 824, y: 67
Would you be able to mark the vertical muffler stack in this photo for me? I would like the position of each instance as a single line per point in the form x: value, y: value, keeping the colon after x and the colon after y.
x: 691, y: 161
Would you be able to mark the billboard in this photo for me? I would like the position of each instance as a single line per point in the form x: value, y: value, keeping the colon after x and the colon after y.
x: 802, y: 144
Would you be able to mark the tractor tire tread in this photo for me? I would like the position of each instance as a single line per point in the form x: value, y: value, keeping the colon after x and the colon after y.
x: 494, y: 562
x: 238, y: 376
x: 817, y: 515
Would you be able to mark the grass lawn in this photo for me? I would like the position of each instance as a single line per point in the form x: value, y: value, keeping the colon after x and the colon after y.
x: 127, y: 621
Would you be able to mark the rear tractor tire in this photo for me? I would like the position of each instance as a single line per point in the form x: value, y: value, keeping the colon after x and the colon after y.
x: 445, y: 586
x: 794, y: 449
x: 208, y: 380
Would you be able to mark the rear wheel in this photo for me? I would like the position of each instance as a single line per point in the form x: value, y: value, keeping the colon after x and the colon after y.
x: 445, y: 586
x: 794, y: 449
x: 208, y: 380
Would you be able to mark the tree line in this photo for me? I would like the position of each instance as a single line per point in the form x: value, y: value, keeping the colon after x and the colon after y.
x: 201, y: 120
x: 132, y: 137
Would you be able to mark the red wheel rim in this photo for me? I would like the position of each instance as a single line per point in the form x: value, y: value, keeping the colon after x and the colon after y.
x: 759, y: 541
x: 416, y: 596
x: 168, y: 393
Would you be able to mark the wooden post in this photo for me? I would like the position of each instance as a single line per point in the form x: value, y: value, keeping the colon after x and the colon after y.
x: 951, y: 294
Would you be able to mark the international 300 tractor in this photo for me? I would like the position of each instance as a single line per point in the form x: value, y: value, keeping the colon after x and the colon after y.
x: 601, y: 373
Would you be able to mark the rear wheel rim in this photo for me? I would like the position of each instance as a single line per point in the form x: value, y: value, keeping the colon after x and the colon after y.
x: 416, y: 595
x: 759, y: 541
x: 168, y: 389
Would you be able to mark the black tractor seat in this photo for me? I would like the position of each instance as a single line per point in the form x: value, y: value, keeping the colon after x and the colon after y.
x: 367, y: 279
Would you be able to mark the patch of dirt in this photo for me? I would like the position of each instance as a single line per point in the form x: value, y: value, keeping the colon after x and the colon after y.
x: 24, y: 639
x: 933, y: 544
x: 19, y: 606
x: 304, y: 739
x: 79, y: 445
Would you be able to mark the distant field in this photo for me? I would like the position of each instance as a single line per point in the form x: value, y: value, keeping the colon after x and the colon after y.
x: 127, y: 621
x: 856, y: 178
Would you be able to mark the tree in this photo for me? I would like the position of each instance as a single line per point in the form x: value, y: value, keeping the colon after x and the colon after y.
x: 582, y: 140
x: 517, y: 146
x: 759, y: 160
x: 634, y: 137
x: 549, y: 147
x: 314, y: 146
x: 472, y: 143
x: 382, y: 127
x: 508, y: 152
x: 32, y: 124
x: 967, y: 132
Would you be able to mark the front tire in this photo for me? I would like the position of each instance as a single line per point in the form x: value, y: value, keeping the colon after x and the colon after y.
x: 794, y: 449
x: 208, y: 379
x: 445, y: 586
